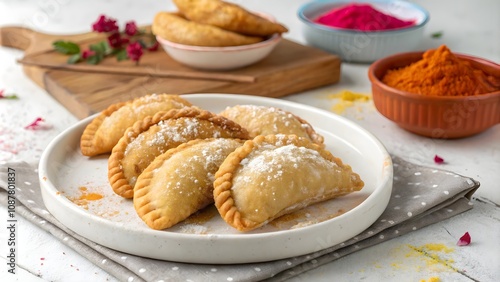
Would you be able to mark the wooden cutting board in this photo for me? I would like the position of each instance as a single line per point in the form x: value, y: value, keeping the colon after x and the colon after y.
x: 86, y: 89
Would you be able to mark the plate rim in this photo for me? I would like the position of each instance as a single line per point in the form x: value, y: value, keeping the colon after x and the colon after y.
x: 47, y: 184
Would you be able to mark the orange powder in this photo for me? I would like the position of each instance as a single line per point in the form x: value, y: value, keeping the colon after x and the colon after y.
x: 441, y: 73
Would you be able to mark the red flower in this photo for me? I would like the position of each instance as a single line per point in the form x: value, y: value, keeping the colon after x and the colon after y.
x: 104, y: 24
x: 130, y: 28
x: 115, y: 40
x: 438, y: 159
x: 87, y: 53
x: 134, y: 51
x: 464, y: 240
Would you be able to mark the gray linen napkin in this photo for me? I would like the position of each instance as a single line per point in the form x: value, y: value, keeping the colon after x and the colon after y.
x: 421, y: 196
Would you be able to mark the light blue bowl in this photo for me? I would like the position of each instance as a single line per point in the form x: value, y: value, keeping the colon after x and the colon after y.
x: 364, y: 46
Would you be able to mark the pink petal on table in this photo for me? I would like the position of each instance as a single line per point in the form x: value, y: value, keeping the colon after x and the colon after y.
x: 438, y: 159
x: 464, y: 240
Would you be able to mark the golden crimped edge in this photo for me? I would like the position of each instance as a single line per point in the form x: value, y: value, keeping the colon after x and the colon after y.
x: 224, y: 176
x: 87, y: 139
x: 117, y: 179
x: 87, y: 142
x: 141, y: 189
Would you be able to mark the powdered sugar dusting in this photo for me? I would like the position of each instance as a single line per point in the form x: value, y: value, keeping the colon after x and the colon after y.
x: 173, y: 132
x: 270, y: 159
x: 262, y: 120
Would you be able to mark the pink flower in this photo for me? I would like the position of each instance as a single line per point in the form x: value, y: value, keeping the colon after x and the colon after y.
x: 87, y: 53
x: 134, y: 51
x: 115, y: 40
x: 130, y: 28
x: 104, y: 24
x: 464, y: 240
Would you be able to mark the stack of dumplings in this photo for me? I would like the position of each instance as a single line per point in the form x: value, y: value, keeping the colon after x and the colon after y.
x: 255, y: 163
x: 213, y: 23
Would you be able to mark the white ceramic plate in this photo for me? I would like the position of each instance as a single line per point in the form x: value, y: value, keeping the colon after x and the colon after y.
x: 67, y: 178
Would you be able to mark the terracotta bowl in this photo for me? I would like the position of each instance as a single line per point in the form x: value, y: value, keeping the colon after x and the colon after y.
x: 434, y: 116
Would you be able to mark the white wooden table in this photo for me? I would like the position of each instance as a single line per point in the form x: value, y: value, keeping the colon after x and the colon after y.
x: 467, y: 26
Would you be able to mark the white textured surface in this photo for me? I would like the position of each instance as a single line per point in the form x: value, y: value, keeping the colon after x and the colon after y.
x: 467, y: 27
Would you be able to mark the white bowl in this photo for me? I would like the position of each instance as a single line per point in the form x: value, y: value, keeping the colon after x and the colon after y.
x: 219, y: 58
x: 364, y: 46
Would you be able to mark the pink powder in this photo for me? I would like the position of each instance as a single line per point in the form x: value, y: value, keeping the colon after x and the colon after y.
x: 361, y: 17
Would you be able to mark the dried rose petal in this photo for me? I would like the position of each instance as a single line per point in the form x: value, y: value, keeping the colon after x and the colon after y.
x: 130, y: 28
x: 104, y: 24
x: 37, y: 124
x: 438, y: 159
x: 87, y: 53
x: 464, y: 240
x: 134, y: 51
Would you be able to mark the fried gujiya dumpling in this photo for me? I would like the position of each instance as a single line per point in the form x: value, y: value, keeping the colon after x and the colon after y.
x: 274, y: 175
x: 262, y: 120
x: 173, y: 27
x: 228, y: 16
x: 179, y: 182
x: 102, y: 134
x: 151, y: 137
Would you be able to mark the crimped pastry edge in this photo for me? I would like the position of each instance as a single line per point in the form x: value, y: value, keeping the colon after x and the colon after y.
x: 87, y: 140
x: 144, y: 180
x: 119, y: 183
x: 87, y: 146
x: 224, y: 201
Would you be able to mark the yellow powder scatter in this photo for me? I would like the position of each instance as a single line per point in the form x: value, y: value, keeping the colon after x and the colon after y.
x: 432, y: 279
x: 396, y: 265
x: 438, y: 248
x: 346, y: 99
x: 346, y: 95
x: 431, y: 254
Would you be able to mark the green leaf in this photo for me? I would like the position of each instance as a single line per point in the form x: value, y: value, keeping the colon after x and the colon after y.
x: 10, y: 97
x: 95, y: 59
x: 107, y: 49
x: 99, y: 47
x: 438, y: 34
x: 66, y: 47
x: 122, y: 55
x: 73, y: 59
